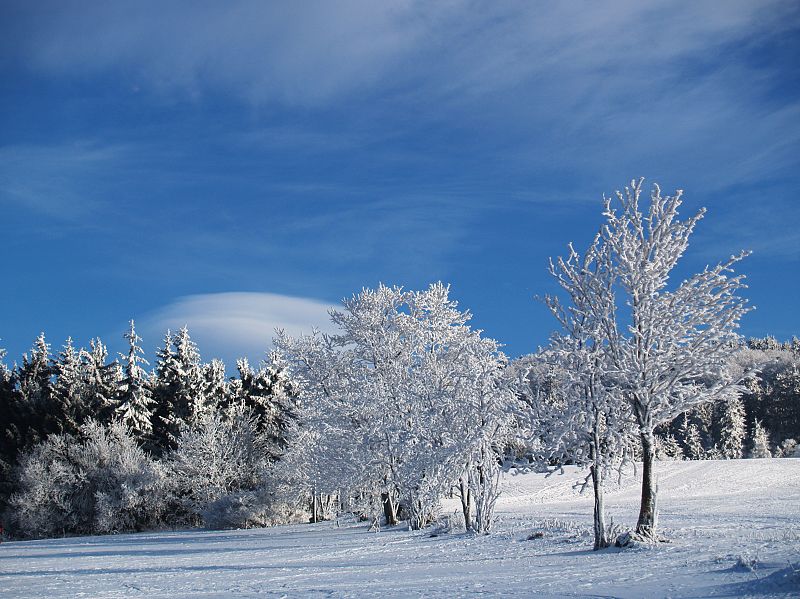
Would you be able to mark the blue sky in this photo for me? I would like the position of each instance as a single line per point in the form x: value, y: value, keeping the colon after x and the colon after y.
x: 239, y: 166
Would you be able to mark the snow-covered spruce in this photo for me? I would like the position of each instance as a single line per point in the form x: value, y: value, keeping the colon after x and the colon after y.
x: 135, y: 398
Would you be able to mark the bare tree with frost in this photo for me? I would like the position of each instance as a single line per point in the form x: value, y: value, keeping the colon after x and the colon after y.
x: 588, y: 427
x: 674, y: 350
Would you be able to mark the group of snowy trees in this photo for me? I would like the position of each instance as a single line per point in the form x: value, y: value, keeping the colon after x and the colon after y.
x: 763, y: 421
x: 92, y: 445
x: 402, y: 405
x: 406, y: 404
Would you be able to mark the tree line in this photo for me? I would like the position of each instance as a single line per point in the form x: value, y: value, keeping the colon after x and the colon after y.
x: 406, y: 403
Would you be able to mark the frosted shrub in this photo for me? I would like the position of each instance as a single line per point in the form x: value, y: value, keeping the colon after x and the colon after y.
x: 789, y: 449
x: 245, y: 509
x: 220, y: 454
x: 128, y: 486
x: 99, y: 481
x: 47, y: 480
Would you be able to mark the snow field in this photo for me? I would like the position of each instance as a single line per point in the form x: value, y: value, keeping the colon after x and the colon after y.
x: 733, y: 526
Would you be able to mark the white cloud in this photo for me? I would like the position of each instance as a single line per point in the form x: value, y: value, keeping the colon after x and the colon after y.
x: 313, y: 52
x: 234, y: 324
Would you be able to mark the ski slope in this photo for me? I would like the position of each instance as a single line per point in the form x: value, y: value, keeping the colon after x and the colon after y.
x: 733, y: 526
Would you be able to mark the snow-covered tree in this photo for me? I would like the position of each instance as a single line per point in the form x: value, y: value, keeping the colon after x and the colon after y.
x: 68, y: 389
x: 215, y: 388
x: 8, y: 428
x: 402, y: 403
x: 692, y: 441
x: 668, y: 448
x: 759, y: 444
x: 101, y: 381
x: 673, y: 348
x: 733, y: 428
x: 36, y: 415
x: 590, y: 427
x: 219, y: 453
x: 135, y: 400
x: 178, y: 390
x: 773, y: 392
x: 788, y: 449
x: 269, y: 393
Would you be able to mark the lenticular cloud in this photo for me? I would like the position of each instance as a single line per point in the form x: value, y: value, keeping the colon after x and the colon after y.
x: 233, y: 324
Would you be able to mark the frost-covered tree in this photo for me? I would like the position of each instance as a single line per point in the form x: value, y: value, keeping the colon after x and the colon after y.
x: 733, y: 429
x: 402, y: 403
x: 215, y: 384
x: 8, y: 428
x: 135, y: 399
x: 100, y: 381
x: 219, y: 453
x: 590, y: 427
x: 759, y: 444
x: 668, y: 448
x: 178, y: 390
x: 36, y: 414
x: 788, y: 449
x: 68, y: 389
x: 693, y: 443
x: 773, y: 391
x: 669, y: 349
x: 269, y: 394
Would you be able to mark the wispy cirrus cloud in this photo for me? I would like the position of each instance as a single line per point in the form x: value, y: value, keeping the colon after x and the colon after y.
x: 65, y: 181
x: 316, y: 52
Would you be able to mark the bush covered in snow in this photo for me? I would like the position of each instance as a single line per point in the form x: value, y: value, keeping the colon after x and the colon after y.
x: 95, y: 482
x: 219, y: 460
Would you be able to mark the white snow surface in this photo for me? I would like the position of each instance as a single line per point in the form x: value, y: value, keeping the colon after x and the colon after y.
x: 733, y: 530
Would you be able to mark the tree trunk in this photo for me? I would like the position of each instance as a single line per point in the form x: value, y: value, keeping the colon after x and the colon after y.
x: 466, y: 504
x: 389, y: 509
x: 601, y: 540
x: 646, y: 526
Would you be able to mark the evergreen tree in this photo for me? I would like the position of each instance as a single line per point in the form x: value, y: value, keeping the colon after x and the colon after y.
x: 773, y: 395
x: 269, y: 394
x: 135, y: 400
x: 215, y: 384
x: 68, y: 387
x: 8, y: 447
x: 668, y: 448
x: 101, y: 381
x: 162, y: 385
x: 179, y: 388
x: 760, y: 442
x: 693, y: 444
x: 36, y: 414
x: 733, y: 428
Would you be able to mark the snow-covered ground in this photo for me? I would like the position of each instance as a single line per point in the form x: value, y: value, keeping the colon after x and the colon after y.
x: 719, y: 517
